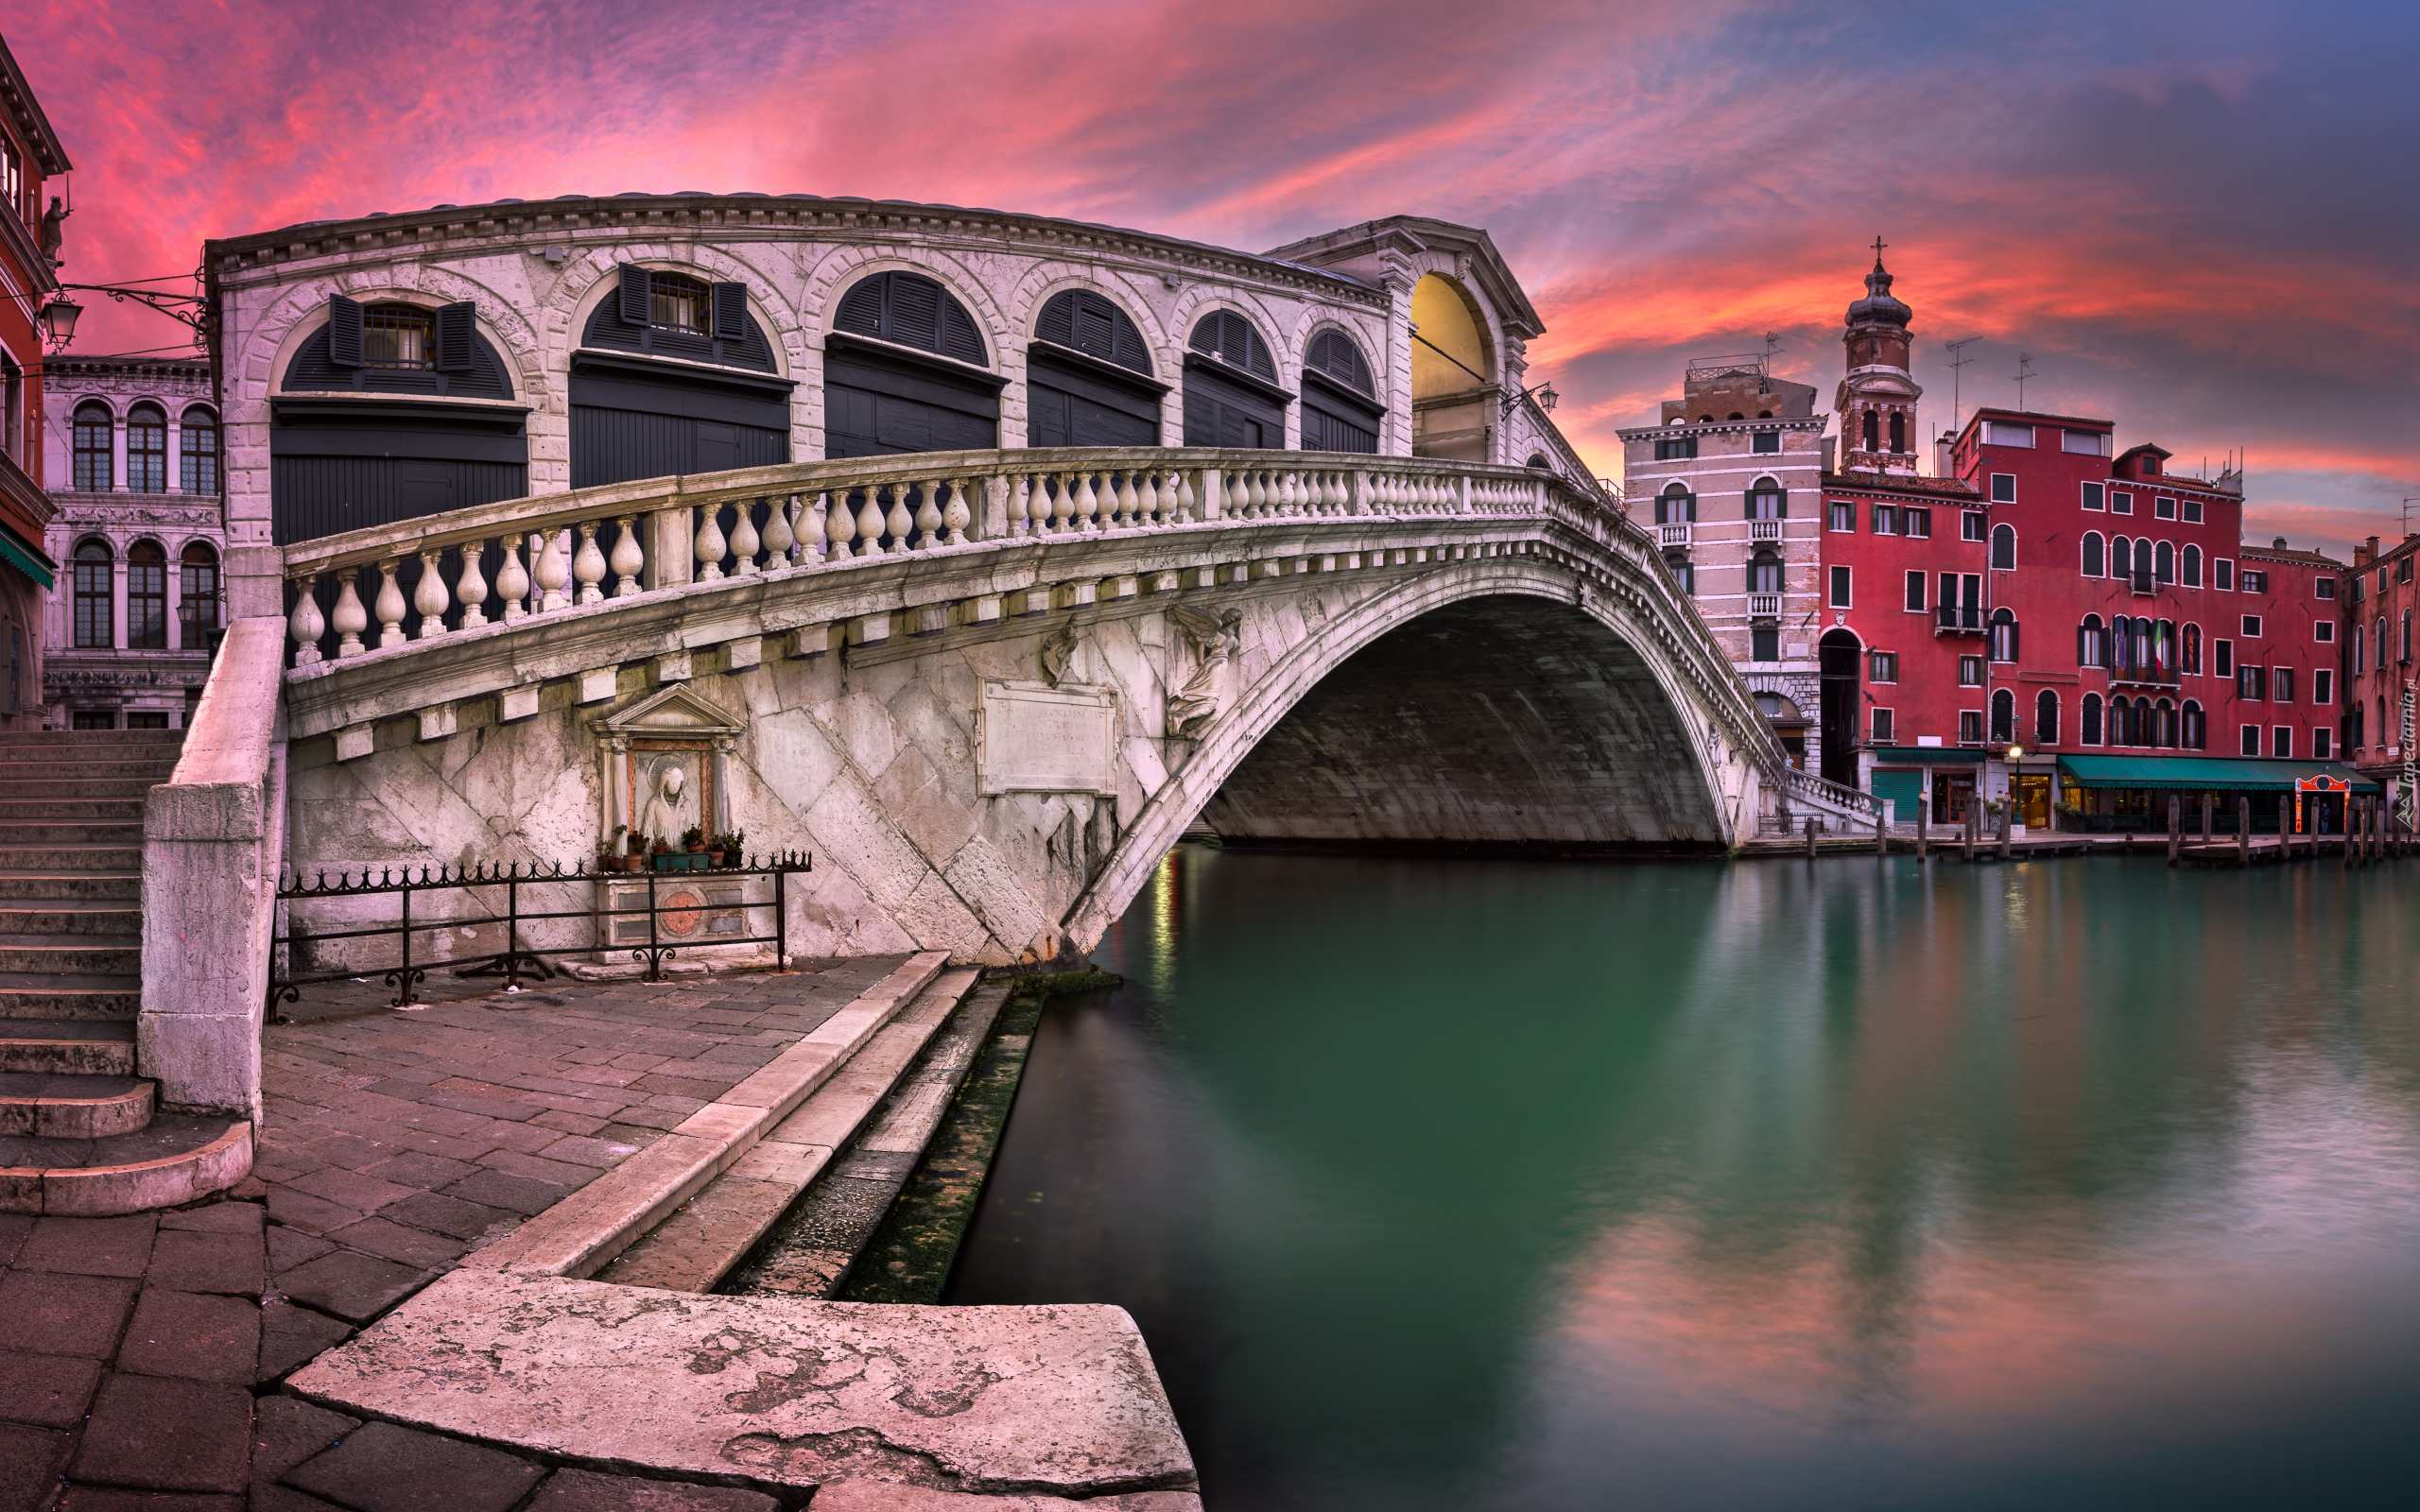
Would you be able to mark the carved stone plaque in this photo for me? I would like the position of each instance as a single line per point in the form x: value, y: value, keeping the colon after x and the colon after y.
x: 1033, y: 739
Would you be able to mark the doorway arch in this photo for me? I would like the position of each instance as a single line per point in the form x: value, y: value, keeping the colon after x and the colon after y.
x: 1837, y: 657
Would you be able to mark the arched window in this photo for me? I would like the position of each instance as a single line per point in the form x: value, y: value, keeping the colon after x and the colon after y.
x: 2121, y: 557
x: 2139, y: 725
x: 197, y: 597
x: 2090, y: 734
x: 1335, y: 357
x: 2045, y: 718
x: 2197, y: 726
x: 2167, y: 725
x: 2383, y: 725
x: 1764, y: 573
x: 2406, y: 655
x: 2003, y: 715
x: 1898, y: 431
x: 1111, y: 400
x: 2359, y: 640
x: 2164, y: 649
x: 2003, y: 548
x: 880, y: 401
x: 146, y: 449
x: 2164, y: 567
x: 1537, y: 460
x: 95, y: 470
x: 96, y: 620
x: 197, y: 451
x: 1767, y: 500
x: 1682, y: 571
x: 2188, y: 650
x: 147, y: 597
x: 2092, y: 645
x: 1676, y: 506
x: 2003, y: 635
x: 2095, y: 557
x: 2382, y: 642
x: 1340, y: 408
x: 1872, y: 432
x: 2140, y: 654
x: 2192, y: 565
x: 1230, y: 393
x: 910, y: 310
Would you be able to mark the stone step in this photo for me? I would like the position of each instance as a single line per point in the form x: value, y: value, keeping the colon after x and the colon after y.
x: 174, y: 1159
x: 20, y: 810
x: 21, y: 858
x: 64, y: 1048
x: 20, y: 834
x: 95, y: 998
x: 36, y: 1106
x: 80, y: 787
x: 20, y: 766
x: 39, y: 886
x: 710, y: 1234
x: 91, y: 737
x: 118, y: 916
x: 65, y: 955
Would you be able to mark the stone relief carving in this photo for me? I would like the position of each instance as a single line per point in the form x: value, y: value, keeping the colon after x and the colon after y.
x: 1215, y: 641
x: 1056, y: 653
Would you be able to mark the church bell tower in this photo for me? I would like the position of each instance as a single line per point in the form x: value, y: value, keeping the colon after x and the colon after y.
x: 1877, y: 396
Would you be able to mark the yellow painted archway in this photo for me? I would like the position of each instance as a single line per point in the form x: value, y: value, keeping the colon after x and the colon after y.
x: 1453, y: 373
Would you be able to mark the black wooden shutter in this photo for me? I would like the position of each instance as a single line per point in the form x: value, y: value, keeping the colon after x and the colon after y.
x: 634, y: 294
x: 862, y: 308
x: 344, y: 332
x: 731, y: 312
x: 455, y: 340
x: 959, y: 336
x: 1058, y: 323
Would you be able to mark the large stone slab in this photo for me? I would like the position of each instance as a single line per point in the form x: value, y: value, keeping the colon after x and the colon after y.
x: 1058, y: 1401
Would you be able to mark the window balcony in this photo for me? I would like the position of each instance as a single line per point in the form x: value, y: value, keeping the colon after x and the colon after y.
x: 1674, y: 535
x: 1955, y: 619
x: 2143, y: 583
x: 2142, y: 676
x: 1764, y: 605
x: 1764, y: 530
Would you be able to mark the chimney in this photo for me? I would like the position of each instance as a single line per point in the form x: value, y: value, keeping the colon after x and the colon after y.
x: 1943, y: 449
x: 1831, y: 444
x: 2279, y: 544
x: 2365, y: 552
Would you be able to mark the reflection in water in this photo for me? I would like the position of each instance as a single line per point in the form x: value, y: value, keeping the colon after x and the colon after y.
x: 1479, y: 1185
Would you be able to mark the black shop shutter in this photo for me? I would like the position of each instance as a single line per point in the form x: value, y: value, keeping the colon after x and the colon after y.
x: 1228, y: 336
x: 634, y: 294
x: 913, y: 310
x: 344, y: 332
x: 1088, y: 323
x: 455, y: 351
x: 731, y: 312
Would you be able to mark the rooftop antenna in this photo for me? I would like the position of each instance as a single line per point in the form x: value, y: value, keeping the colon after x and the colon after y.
x: 1958, y: 359
x: 2024, y: 372
x: 1772, y: 344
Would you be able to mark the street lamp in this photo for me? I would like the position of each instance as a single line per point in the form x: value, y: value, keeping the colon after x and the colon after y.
x: 1544, y: 394
x: 58, y: 320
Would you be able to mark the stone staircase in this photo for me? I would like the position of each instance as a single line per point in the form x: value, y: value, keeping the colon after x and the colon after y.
x: 80, y: 1131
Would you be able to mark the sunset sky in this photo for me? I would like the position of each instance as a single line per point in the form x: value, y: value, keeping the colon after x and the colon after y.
x: 2197, y: 218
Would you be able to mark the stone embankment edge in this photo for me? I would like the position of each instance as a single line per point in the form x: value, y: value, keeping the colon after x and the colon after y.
x: 578, y: 1235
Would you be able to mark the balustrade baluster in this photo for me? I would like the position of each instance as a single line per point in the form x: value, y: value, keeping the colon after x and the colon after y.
x: 840, y: 526
x: 554, y: 571
x: 1063, y: 503
x: 628, y: 558
x: 1184, y: 498
x: 710, y: 546
x: 512, y: 580
x: 814, y: 527
x: 588, y: 565
x: 779, y: 538
x: 305, y: 623
x: 429, y: 596
x: 1255, y: 494
x: 1128, y: 502
x: 1238, y: 494
x: 902, y: 520
x: 744, y: 540
x: 928, y: 515
x: 957, y: 515
x: 870, y: 523
x: 1025, y: 505
x: 1150, y: 507
x: 471, y: 587
x: 390, y: 606
x: 350, y: 619
x: 1083, y: 502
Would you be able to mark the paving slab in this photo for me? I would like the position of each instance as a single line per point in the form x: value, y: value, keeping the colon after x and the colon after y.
x: 117, y: 1499
x: 291, y: 1335
x: 89, y: 1246
x: 587, y: 1492
x: 791, y: 1393
x: 192, y: 1336
x: 880, y: 1496
x: 155, y: 1433
x: 79, y: 1316
x: 216, y: 1218
x: 356, y: 1288
x: 44, y: 1390
x: 29, y: 1464
x: 287, y: 1430
x: 381, y: 1467
x: 229, y: 1263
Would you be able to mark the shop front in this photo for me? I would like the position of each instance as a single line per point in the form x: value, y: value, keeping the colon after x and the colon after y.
x: 2118, y: 794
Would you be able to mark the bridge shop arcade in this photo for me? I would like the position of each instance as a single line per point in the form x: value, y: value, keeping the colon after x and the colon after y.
x: 2108, y: 795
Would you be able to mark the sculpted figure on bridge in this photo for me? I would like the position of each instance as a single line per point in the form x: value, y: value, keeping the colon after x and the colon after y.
x: 1215, y: 641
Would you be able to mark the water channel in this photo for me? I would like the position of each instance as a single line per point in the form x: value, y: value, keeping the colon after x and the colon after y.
x: 1850, y: 1184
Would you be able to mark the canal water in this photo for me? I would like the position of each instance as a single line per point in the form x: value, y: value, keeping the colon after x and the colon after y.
x: 1849, y: 1184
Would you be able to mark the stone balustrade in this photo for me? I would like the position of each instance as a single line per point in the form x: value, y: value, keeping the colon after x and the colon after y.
x: 419, y: 580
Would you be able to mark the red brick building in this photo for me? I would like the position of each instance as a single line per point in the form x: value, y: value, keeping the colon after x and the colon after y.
x: 29, y: 156
x: 2380, y: 603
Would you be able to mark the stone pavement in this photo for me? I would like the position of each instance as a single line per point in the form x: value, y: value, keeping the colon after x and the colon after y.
x: 141, y: 1357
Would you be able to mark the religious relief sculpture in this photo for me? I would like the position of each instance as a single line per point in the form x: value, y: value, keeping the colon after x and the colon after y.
x: 1215, y: 641
x: 1057, y: 652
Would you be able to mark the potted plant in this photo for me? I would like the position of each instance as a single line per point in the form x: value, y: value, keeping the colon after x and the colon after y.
x: 660, y: 853
x: 734, y: 846
x: 635, y: 841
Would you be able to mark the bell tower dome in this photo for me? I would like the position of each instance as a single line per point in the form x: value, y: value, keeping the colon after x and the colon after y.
x: 1877, y: 396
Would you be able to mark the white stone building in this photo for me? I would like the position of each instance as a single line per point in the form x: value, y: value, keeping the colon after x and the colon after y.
x: 133, y: 462
x: 389, y: 366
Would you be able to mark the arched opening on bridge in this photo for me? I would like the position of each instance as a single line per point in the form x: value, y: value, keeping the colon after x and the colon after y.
x: 1837, y: 658
x: 1453, y: 373
x: 1504, y: 723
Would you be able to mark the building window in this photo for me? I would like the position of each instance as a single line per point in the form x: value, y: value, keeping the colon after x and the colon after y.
x: 2406, y: 637
x: 2284, y: 684
x: 2192, y: 511
x: 2223, y: 658
x: 2192, y: 566
x: 1839, y: 595
x: 2281, y: 741
x: 1765, y: 441
x: 2322, y: 685
x: 1970, y: 726
x: 2252, y: 682
x: 1970, y: 525
x: 147, y: 597
x: 2321, y: 748
x: 1917, y: 521
x: 2251, y: 740
x: 2120, y: 503
x: 2090, y: 733
x: 2197, y: 726
x: 1844, y: 515
x: 2001, y: 433
x: 146, y: 449
x: 1764, y: 641
x: 1766, y: 501
x: 2164, y: 564
x: 96, y: 469
x: 1676, y: 506
x: 2360, y: 647
x: 197, y: 597
x: 95, y: 619
x: 2092, y: 649
x: 2189, y: 657
x: 2003, y: 633
x: 2325, y: 631
x: 399, y: 336
x: 2004, y: 548
x: 198, y: 452
x: 1970, y: 671
x: 2323, y: 587
x: 92, y: 719
x: 1886, y: 519
x: 1883, y: 666
x: 2095, y: 554
x: 1684, y: 573
x: 1872, y: 432
x: 1915, y: 593
x: 2163, y: 509
x: 1883, y: 733
x: 1764, y: 573
x: 1898, y: 430
x: 2253, y: 582
x: 2096, y: 496
x: 2251, y: 627
x: 1676, y: 448
x: 2003, y: 488
x: 2223, y: 575
x: 2003, y: 715
x: 2045, y: 718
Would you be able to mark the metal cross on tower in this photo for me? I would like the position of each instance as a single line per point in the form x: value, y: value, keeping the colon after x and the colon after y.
x: 1878, y: 245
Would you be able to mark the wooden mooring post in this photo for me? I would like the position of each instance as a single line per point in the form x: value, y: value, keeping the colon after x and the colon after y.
x: 1924, y: 806
x: 2008, y: 813
x: 1973, y: 827
x: 2206, y: 801
x: 1810, y: 837
x: 2243, y: 832
x: 2175, y: 828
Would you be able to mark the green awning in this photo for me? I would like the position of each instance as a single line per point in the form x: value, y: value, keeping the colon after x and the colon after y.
x: 1926, y: 755
x: 2226, y: 774
x: 27, y: 558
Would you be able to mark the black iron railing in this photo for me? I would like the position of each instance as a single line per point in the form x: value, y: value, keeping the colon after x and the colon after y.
x: 683, y: 904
